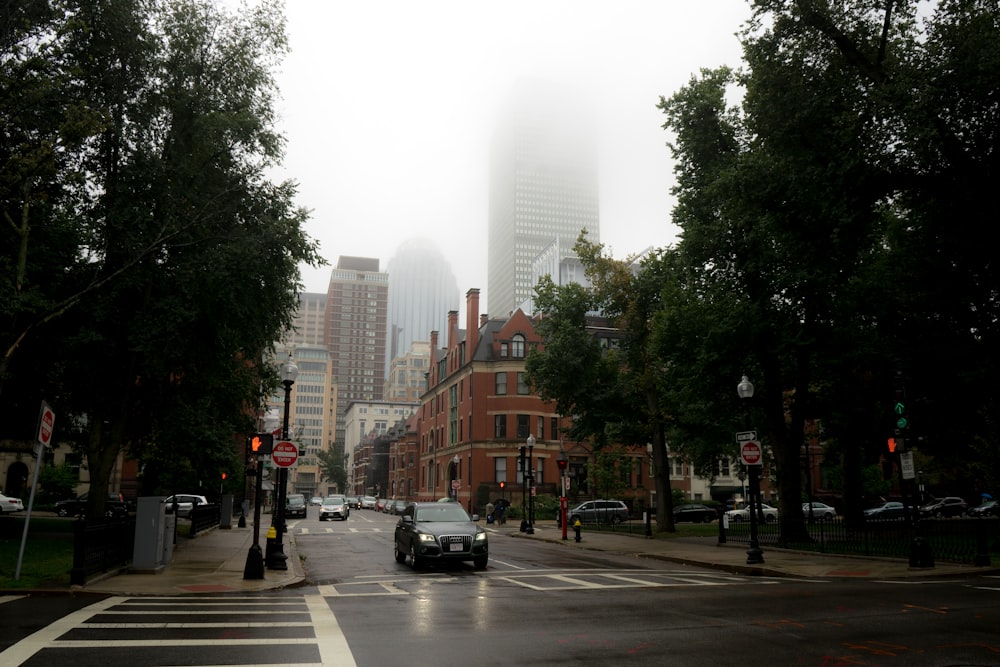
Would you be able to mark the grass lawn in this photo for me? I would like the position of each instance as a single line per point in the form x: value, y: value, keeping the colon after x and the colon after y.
x: 48, y: 553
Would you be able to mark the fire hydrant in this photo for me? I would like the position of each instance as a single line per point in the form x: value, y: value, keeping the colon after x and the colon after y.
x: 269, y: 546
x: 576, y: 528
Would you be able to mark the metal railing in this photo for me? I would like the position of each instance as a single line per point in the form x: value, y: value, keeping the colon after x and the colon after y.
x: 959, y: 540
x: 101, y: 546
x: 204, y: 517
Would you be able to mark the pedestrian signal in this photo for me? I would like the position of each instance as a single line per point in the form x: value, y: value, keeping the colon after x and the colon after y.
x: 262, y: 443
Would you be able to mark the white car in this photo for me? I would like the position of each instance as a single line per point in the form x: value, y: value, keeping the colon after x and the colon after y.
x: 820, y: 511
x: 9, y: 505
x: 743, y: 514
x: 185, y: 501
x: 368, y: 502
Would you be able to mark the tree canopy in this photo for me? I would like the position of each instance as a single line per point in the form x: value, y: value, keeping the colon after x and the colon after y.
x: 147, y: 260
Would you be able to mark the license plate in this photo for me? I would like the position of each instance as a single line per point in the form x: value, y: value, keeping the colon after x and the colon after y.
x: 455, y: 546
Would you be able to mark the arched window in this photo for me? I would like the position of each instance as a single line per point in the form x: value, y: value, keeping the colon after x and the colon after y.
x: 517, y: 346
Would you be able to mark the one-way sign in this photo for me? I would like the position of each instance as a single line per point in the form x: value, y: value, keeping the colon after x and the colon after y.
x: 743, y: 436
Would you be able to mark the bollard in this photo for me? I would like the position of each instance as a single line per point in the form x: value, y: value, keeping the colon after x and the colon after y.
x: 576, y: 528
x: 269, y: 549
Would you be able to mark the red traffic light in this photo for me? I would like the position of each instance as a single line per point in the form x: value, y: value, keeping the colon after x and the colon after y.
x: 223, y: 475
x: 892, y: 445
x: 503, y: 484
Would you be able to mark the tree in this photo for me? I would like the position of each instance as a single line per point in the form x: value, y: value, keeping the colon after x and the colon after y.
x: 187, y: 253
x: 332, y: 466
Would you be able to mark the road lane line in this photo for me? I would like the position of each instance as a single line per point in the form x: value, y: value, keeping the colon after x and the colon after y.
x: 334, y: 651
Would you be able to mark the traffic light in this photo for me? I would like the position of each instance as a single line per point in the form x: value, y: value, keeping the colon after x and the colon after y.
x: 502, y: 485
x: 897, y: 445
x: 892, y: 445
x: 900, y: 414
x: 223, y: 477
x: 261, y: 444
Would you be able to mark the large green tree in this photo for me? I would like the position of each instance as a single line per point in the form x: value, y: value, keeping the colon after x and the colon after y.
x: 182, y: 268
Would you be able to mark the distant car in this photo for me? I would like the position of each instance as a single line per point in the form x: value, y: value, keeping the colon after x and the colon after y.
x: 316, y: 501
x: 334, y: 507
x: 743, y: 514
x: 295, y: 505
x: 185, y: 502
x: 389, y: 506
x: 114, y: 507
x: 368, y: 502
x: 889, y: 510
x: 353, y: 502
x: 989, y: 508
x: 399, y: 506
x: 599, y: 511
x: 9, y: 505
x: 694, y: 513
x: 944, y: 508
x: 380, y: 504
x: 439, y: 532
x: 819, y: 511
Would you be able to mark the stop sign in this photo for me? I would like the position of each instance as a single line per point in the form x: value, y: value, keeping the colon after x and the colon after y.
x: 284, y: 454
x: 750, y: 453
x: 45, y: 423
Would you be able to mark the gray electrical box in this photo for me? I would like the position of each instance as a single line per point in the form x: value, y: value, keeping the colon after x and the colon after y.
x: 154, y: 535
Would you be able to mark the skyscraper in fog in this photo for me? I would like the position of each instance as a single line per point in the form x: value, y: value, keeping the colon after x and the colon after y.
x: 357, y: 300
x: 543, y: 188
x: 422, y: 289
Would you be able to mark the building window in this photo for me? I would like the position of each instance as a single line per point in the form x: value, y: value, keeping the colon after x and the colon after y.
x: 503, y: 350
x: 724, y: 468
x: 554, y: 428
x: 522, y: 384
x: 517, y: 346
x: 625, y: 470
x: 523, y: 426
x: 500, y: 426
x: 500, y: 469
x: 539, y: 468
x: 678, y: 468
x: 501, y: 384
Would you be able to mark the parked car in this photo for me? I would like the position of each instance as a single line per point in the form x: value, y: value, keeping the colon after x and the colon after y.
x: 334, y: 507
x: 945, y: 507
x: 295, y: 505
x: 185, y: 502
x: 115, y: 507
x: 9, y: 505
x: 694, y: 513
x: 368, y: 502
x: 889, y: 510
x: 390, y: 506
x: 989, y: 508
x: 819, y: 511
x: 743, y: 514
x: 439, y: 532
x: 316, y: 501
x: 380, y: 504
x: 599, y: 511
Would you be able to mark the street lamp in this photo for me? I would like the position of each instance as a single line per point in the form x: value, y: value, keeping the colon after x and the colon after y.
x: 562, y: 462
x: 754, y: 555
x: 530, y: 468
x: 455, y: 462
x: 276, y: 559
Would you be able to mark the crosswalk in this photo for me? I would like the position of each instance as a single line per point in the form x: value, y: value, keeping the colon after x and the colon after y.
x: 150, y: 631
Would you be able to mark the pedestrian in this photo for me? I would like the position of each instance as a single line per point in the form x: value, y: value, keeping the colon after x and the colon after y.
x: 489, y: 512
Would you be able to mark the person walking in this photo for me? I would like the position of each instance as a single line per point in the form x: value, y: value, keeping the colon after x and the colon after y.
x: 489, y: 513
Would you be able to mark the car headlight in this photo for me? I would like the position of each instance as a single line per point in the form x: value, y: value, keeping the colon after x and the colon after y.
x: 424, y: 537
x: 480, y: 537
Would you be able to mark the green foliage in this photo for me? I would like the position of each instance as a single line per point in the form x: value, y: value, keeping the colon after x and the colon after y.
x: 332, y: 466
x: 57, y: 483
x: 150, y: 263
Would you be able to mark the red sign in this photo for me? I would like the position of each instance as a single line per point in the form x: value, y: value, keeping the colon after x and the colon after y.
x: 284, y: 454
x: 45, y: 423
x: 750, y: 453
x: 456, y: 484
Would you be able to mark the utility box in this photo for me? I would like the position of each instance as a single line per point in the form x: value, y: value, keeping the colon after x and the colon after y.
x: 226, y: 511
x: 154, y: 535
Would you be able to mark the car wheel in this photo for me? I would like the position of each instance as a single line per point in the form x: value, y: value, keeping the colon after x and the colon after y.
x: 615, y: 520
x: 708, y: 518
x: 415, y: 562
x: 62, y: 512
x: 770, y: 518
x: 939, y: 514
x: 736, y: 518
x: 400, y: 556
x: 480, y: 562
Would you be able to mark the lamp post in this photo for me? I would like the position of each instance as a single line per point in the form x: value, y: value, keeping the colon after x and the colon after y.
x: 754, y: 555
x: 455, y: 462
x: 562, y: 462
x: 531, y: 484
x: 277, y: 560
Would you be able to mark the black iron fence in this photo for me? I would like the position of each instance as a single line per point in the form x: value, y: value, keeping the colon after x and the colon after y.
x: 204, y: 517
x: 959, y: 540
x: 101, y: 546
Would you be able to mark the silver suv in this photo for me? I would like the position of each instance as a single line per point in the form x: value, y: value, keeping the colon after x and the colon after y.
x: 599, y: 511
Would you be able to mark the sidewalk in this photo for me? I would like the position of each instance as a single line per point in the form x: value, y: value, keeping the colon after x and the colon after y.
x: 214, y: 562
